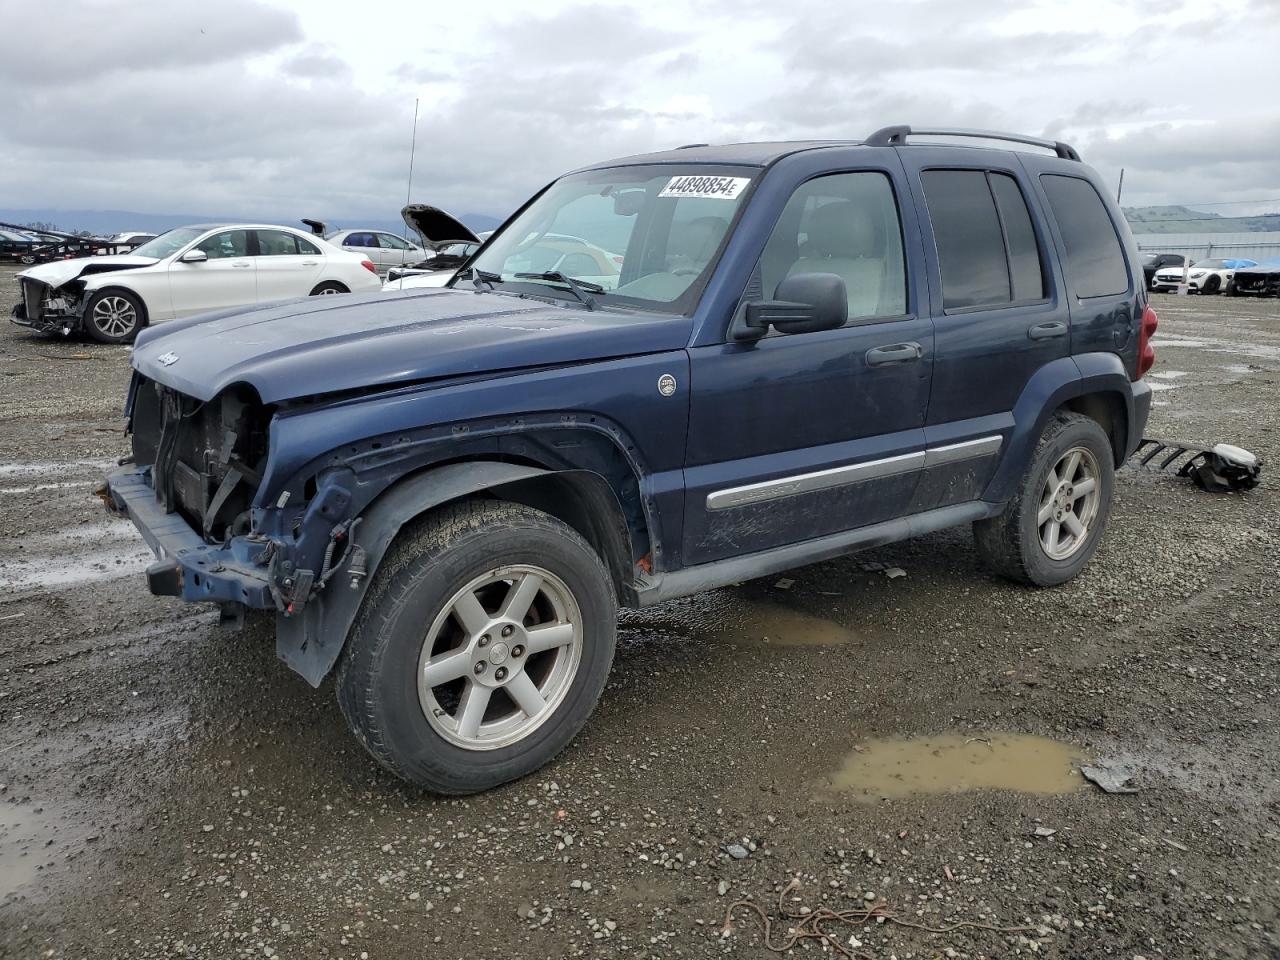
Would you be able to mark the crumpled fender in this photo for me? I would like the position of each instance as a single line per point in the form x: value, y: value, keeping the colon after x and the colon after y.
x: 311, y: 643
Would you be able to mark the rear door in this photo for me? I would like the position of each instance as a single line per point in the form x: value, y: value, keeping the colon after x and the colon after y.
x: 226, y: 279
x: 998, y: 313
x: 288, y: 265
x: 794, y: 437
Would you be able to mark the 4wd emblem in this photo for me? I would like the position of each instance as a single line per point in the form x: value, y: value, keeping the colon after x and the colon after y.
x: 666, y: 384
x: 167, y: 359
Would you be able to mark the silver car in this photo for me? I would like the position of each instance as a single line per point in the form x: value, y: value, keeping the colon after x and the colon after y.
x: 386, y: 250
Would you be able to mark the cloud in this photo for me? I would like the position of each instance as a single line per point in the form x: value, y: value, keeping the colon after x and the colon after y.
x: 251, y: 108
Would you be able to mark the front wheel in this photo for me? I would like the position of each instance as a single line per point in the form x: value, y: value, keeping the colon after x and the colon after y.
x: 1212, y: 285
x: 481, y: 649
x: 113, y: 316
x: 1053, y: 524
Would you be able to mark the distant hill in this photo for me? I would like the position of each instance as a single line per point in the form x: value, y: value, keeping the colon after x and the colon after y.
x: 1174, y: 219
x: 109, y: 222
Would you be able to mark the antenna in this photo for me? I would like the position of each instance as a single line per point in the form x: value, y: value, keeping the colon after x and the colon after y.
x: 413, y: 146
x: 1120, y: 189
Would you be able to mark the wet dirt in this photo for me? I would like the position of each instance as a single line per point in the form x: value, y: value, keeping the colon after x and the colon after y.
x: 955, y: 763
x: 236, y: 816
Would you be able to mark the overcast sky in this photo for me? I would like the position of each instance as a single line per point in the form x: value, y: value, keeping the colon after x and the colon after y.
x: 306, y: 109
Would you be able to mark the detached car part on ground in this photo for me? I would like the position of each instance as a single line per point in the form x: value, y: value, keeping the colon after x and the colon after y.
x: 183, y: 273
x: 807, y: 349
x: 1215, y: 275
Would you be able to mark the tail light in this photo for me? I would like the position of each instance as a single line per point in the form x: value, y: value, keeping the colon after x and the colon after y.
x: 368, y: 265
x: 1146, y: 352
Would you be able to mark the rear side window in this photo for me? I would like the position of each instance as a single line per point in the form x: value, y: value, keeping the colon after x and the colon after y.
x: 1095, y: 264
x: 986, y: 245
x: 966, y: 230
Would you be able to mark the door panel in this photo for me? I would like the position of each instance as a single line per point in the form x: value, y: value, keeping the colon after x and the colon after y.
x: 287, y: 266
x: 227, y: 279
x: 793, y: 437
x: 997, y: 309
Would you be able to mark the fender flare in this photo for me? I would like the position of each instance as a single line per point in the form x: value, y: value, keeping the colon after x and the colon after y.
x: 311, y: 644
x: 1049, y: 388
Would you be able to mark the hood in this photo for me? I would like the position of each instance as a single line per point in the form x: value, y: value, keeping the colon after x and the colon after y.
x: 434, y: 226
x: 329, y: 344
x: 60, y: 271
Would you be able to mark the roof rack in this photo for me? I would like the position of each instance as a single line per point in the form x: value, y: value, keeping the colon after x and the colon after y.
x: 690, y: 146
x: 897, y: 136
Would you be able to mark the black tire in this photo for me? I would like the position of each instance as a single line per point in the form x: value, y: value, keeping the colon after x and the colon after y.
x: 1010, y: 544
x: 1212, y: 285
x: 27, y: 258
x: 328, y: 287
x: 114, y: 316
x: 1230, y: 289
x: 429, y: 562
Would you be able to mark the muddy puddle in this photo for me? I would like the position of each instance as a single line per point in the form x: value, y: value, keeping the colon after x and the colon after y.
x: 956, y: 763
x: 780, y: 626
x: 34, y: 840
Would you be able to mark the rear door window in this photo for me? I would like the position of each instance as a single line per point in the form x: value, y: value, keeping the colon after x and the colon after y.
x: 966, y: 230
x: 1094, y: 262
x: 1025, y: 275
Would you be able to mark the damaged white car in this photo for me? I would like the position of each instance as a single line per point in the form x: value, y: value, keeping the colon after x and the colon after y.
x: 186, y: 271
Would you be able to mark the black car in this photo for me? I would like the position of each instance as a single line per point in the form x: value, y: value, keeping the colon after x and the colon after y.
x: 18, y: 246
x: 1262, y: 280
x: 1151, y: 262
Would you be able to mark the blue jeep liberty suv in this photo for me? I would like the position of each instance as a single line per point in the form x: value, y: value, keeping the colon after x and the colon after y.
x: 662, y: 374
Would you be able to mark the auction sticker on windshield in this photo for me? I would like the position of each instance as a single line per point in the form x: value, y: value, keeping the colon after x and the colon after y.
x: 722, y: 188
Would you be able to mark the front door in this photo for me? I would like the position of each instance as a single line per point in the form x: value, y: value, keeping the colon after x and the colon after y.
x: 793, y: 437
x: 226, y: 279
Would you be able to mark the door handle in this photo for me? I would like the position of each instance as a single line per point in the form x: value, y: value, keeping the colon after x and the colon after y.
x: 894, y: 353
x: 309, y: 263
x: 242, y: 265
x: 1047, y: 331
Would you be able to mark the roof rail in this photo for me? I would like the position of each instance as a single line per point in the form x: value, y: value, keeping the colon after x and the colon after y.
x: 690, y: 146
x: 897, y: 136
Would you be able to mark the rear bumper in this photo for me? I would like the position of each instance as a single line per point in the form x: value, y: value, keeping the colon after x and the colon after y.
x: 186, y: 566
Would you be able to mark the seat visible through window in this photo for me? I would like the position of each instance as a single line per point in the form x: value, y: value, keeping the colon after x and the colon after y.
x: 846, y: 224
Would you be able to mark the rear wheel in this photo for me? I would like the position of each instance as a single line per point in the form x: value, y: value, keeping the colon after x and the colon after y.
x: 481, y: 649
x: 113, y: 316
x: 1054, y: 523
x: 329, y: 287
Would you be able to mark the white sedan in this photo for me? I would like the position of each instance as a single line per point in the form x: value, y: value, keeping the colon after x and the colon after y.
x: 187, y: 271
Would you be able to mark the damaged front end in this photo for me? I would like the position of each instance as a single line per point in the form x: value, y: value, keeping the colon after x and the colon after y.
x: 195, y: 492
x: 49, y: 310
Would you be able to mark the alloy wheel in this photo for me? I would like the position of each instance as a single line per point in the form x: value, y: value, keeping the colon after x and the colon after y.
x: 1068, y: 503
x: 500, y: 657
x: 114, y: 316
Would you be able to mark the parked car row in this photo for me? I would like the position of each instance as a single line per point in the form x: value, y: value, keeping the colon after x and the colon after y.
x: 186, y: 271
x: 1238, y: 276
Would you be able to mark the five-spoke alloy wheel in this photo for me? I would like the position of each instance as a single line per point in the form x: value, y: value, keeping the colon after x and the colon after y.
x: 481, y: 647
x: 1053, y: 523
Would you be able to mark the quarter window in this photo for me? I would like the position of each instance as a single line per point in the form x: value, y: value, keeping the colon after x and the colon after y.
x: 1095, y: 261
x: 229, y: 243
x: 846, y: 224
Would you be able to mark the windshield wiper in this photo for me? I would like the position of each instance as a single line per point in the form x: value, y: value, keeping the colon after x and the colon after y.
x: 483, y: 279
x: 579, y: 288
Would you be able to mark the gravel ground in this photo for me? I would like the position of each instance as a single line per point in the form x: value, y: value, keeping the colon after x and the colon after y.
x: 168, y: 789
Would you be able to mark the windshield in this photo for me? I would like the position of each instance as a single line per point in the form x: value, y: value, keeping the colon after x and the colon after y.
x: 645, y: 236
x: 168, y: 243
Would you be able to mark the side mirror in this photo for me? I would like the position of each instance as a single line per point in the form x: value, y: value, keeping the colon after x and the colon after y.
x: 804, y: 303
x: 194, y: 256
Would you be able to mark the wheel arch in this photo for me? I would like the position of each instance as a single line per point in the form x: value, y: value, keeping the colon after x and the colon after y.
x: 91, y: 294
x: 311, y: 643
